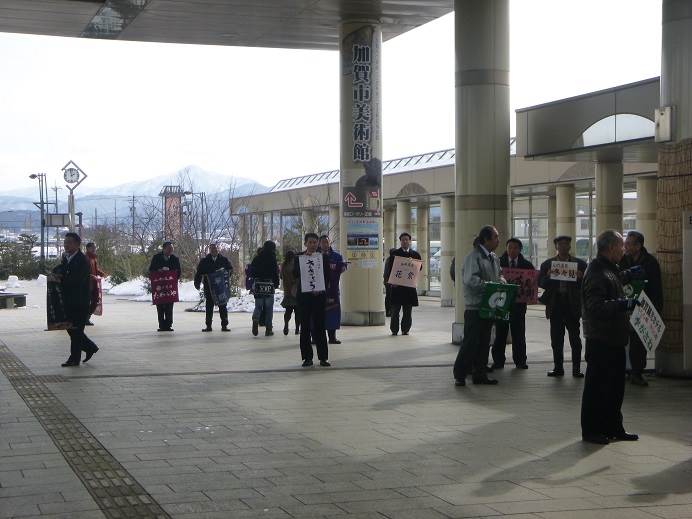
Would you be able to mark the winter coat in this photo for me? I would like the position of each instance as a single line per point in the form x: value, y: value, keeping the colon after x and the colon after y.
x: 265, y: 268
x: 208, y: 265
x: 159, y: 261
x: 652, y: 274
x: 76, y: 285
x: 552, y: 287
x: 479, y: 268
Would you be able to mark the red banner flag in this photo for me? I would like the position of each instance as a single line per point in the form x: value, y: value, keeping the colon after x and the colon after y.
x: 527, y: 279
x: 164, y: 287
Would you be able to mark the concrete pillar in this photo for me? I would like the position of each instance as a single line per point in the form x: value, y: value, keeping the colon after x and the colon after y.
x: 646, y: 211
x: 565, y: 211
x: 334, y: 238
x: 676, y: 65
x: 552, y: 220
x: 309, y: 222
x: 482, y: 127
x: 390, y: 240
x: 608, y: 196
x: 447, y: 250
x: 403, y: 218
x: 423, y: 245
x: 360, y: 71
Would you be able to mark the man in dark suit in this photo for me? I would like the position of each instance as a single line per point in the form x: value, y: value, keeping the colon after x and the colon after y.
x: 164, y: 261
x: 401, y: 297
x: 73, y: 274
x: 211, y: 263
x: 562, y: 301
x: 512, y: 258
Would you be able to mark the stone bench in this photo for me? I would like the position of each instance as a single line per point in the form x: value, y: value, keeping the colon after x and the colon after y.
x: 12, y: 300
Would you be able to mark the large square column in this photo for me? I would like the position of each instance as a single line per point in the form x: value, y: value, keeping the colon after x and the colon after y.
x: 446, y: 250
x: 482, y: 127
x: 423, y: 245
x: 334, y: 220
x: 646, y: 211
x: 403, y: 218
x: 552, y: 220
x: 608, y: 196
x: 389, y: 229
x: 362, y: 294
x: 566, y: 212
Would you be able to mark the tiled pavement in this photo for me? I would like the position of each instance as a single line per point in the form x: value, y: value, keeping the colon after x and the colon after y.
x: 226, y: 426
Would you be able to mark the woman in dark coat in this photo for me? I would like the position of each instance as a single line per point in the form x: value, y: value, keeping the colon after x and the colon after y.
x: 289, y: 282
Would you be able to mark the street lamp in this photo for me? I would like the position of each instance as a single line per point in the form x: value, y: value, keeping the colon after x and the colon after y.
x: 41, y: 205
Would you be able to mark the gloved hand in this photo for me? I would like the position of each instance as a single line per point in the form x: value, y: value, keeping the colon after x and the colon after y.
x: 627, y: 305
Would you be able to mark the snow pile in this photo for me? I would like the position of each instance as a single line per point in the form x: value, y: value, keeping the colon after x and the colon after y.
x: 134, y: 287
x: 246, y: 302
x: 41, y: 280
x: 106, y: 284
x: 13, y: 282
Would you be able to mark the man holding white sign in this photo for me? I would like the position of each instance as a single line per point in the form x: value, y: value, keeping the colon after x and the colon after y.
x: 312, y: 281
x: 560, y: 277
x: 606, y: 328
x: 401, y: 274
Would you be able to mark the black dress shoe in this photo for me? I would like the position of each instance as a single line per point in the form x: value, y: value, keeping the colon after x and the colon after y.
x: 523, y: 366
x: 325, y: 363
x: 286, y: 329
x: 497, y: 366
x: 485, y: 381
x: 335, y: 341
x: 556, y: 373
x: 404, y: 333
x: 395, y: 333
x: 578, y: 374
x: 637, y: 380
x: 69, y: 364
x: 307, y: 363
x: 207, y: 329
x: 225, y: 329
x: 598, y: 439
x: 255, y: 328
x: 625, y: 437
x: 90, y: 354
x: 459, y: 382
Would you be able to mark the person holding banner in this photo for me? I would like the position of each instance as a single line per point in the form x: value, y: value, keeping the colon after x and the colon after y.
x: 165, y: 261
x: 74, y: 277
x: 401, y: 296
x: 480, y: 266
x: 208, y: 265
x: 336, y: 267
x: 95, y: 272
x: 606, y: 328
x: 265, y: 271
x: 560, y: 277
x: 312, y: 282
x: 636, y: 256
x: 518, y: 270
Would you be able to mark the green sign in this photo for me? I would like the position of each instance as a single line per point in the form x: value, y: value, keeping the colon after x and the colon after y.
x: 634, y: 288
x: 497, y: 301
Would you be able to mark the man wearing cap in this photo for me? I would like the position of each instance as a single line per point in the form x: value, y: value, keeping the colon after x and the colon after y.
x: 164, y: 261
x: 562, y: 301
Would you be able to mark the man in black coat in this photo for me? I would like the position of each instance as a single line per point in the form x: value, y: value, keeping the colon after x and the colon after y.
x: 512, y: 258
x: 164, y: 261
x: 312, y: 306
x: 211, y: 263
x: 606, y: 328
x: 73, y: 273
x: 401, y: 297
x: 562, y: 301
x: 637, y: 256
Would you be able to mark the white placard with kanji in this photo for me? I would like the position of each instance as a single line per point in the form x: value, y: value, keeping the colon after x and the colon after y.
x: 311, y: 273
x: 647, y: 322
x: 564, y: 270
x: 405, y: 272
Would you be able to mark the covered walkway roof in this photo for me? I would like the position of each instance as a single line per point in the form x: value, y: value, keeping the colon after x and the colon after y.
x: 300, y: 24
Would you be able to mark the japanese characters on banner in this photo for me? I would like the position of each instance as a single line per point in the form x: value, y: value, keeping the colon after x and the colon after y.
x: 362, y: 242
x: 527, y: 282
x: 219, y: 287
x: 55, y: 307
x: 405, y: 272
x: 164, y: 287
x: 311, y: 273
x: 647, y: 322
x: 96, y: 296
x: 497, y: 301
x: 564, y: 270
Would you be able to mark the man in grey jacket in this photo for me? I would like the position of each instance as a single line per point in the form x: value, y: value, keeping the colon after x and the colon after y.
x: 480, y: 266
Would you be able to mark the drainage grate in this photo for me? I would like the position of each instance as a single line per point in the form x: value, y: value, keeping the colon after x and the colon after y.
x: 115, y: 491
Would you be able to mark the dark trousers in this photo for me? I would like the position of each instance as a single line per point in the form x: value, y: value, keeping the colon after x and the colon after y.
x: 406, y: 319
x: 638, y: 354
x: 560, y: 319
x: 165, y: 313
x: 287, y: 316
x: 517, y: 323
x: 473, y: 354
x: 79, y: 342
x: 604, y: 389
x: 312, y: 309
x: 209, y: 307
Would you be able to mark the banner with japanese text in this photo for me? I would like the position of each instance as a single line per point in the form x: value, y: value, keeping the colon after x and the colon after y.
x: 55, y: 307
x: 526, y: 281
x: 96, y: 296
x: 405, y: 272
x: 220, y: 287
x: 647, y: 323
x: 311, y: 273
x: 564, y: 270
x: 164, y: 287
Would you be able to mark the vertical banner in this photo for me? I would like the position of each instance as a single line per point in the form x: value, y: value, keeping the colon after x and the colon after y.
x: 96, y: 303
x: 55, y: 307
x: 311, y: 273
x: 219, y: 286
x: 526, y: 281
x: 164, y: 287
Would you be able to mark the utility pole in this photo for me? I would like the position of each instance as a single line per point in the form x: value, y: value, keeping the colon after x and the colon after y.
x: 57, y: 229
x: 132, y: 209
x: 115, y: 215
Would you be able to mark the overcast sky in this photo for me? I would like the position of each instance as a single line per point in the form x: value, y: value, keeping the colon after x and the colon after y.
x: 127, y: 111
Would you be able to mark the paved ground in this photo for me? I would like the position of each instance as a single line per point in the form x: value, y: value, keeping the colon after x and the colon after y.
x: 227, y: 425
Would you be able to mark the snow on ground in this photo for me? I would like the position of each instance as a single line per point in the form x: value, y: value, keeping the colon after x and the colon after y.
x: 134, y: 287
x: 12, y: 282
